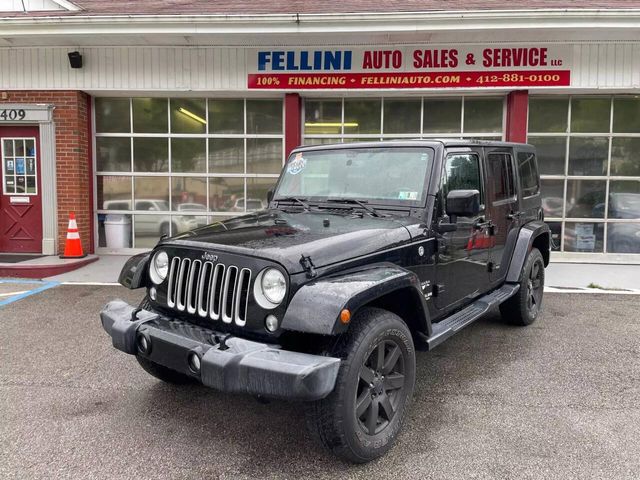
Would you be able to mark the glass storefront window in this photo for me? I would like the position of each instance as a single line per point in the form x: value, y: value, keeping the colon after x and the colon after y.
x: 590, y: 115
x: 188, y: 155
x: 264, y: 155
x: 551, y: 154
x: 552, y: 197
x: 362, y: 116
x: 150, y: 154
x: 264, y: 116
x: 625, y: 157
x: 113, y: 154
x: 603, y: 145
x: 112, y: 115
x: 323, y: 117
x: 483, y: 115
x: 188, y: 115
x: 150, y: 115
x: 114, y: 192
x: 402, y: 116
x: 588, y: 155
x: 548, y: 114
x: 626, y: 114
x: 583, y: 237
x: 442, y: 115
x: 226, y: 155
x: 556, y: 235
x: 225, y: 194
x: 226, y: 116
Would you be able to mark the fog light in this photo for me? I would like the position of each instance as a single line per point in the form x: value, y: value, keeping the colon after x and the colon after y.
x: 271, y: 323
x: 194, y: 362
x: 143, y: 343
x: 152, y: 293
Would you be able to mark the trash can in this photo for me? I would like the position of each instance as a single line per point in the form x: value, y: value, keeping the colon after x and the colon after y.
x: 117, y: 230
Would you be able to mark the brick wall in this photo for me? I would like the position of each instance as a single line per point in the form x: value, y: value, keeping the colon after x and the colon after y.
x: 73, y: 161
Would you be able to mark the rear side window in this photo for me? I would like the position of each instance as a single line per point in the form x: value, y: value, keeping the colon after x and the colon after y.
x: 500, y: 176
x: 528, y: 168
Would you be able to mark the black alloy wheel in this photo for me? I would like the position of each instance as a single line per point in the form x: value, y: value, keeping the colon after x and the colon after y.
x: 380, y: 388
x: 534, y: 287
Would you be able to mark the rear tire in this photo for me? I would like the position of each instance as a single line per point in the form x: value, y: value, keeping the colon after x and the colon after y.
x: 524, y: 307
x: 361, y: 418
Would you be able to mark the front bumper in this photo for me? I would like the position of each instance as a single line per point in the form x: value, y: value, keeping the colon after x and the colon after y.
x: 243, y: 367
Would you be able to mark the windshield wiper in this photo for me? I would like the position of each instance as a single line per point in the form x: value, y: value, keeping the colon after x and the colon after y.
x: 298, y: 200
x: 361, y: 203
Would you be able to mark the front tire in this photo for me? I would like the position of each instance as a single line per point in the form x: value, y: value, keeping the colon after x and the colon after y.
x: 361, y: 418
x: 524, y: 307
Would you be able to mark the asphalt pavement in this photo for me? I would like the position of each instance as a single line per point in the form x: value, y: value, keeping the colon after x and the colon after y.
x: 558, y: 399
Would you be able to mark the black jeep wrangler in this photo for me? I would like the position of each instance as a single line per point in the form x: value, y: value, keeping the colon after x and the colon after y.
x: 366, y: 252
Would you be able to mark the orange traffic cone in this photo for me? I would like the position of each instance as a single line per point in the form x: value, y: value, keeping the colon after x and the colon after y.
x: 73, y: 245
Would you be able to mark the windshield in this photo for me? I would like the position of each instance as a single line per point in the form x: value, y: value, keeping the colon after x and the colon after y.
x: 377, y: 175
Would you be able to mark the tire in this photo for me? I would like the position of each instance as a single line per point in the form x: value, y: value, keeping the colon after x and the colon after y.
x: 334, y: 420
x: 524, y: 307
x: 159, y: 371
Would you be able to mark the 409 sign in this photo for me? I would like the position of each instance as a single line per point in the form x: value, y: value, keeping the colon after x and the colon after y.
x: 12, y: 114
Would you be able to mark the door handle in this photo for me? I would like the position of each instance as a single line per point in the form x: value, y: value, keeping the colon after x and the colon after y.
x: 514, y: 215
x: 481, y: 224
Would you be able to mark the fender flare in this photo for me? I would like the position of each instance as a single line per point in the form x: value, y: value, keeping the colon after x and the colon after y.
x: 316, y: 306
x: 134, y: 271
x: 526, y: 238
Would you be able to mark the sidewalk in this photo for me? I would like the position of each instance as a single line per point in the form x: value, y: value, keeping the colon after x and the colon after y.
x: 564, y: 275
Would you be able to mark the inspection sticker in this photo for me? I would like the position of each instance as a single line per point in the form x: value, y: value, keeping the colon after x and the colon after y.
x: 297, y: 164
x: 408, y: 195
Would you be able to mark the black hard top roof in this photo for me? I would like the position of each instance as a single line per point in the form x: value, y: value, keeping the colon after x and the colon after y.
x: 431, y: 142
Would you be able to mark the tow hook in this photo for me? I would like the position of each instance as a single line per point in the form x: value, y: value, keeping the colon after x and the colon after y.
x: 221, y: 341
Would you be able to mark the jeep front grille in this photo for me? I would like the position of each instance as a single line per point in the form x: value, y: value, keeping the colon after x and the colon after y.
x: 209, y: 290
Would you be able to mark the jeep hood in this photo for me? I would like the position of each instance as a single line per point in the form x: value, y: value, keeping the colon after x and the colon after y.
x: 284, y: 237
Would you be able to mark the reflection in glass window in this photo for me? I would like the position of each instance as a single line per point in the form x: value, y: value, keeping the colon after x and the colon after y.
x: 149, y: 228
x: 552, y: 197
x: 226, y: 194
x: 226, y: 116
x: 226, y: 155
x: 626, y: 114
x: 462, y: 173
x: 188, y: 193
x: 442, y: 115
x: 548, y: 114
x: 188, y: 115
x: 113, y: 154
x: 623, y: 237
x: 556, y: 235
x: 257, y: 189
x: 150, y: 115
x: 585, y: 198
x: 590, y: 115
x: 500, y: 173
x: 322, y: 117
x: 528, y: 173
x: 188, y: 155
x: 402, y: 116
x: 588, y: 156
x: 154, y: 191
x: 625, y: 156
x: 264, y: 116
x: 583, y: 237
x: 264, y: 155
x: 552, y: 152
x: 114, y: 193
x: 112, y: 115
x: 482, y: 115
x: 362, y: 116
x: 150, y: 154
x: 624, y: 199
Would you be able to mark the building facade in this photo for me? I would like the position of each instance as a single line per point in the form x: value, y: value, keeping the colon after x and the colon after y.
x: 172, y: 121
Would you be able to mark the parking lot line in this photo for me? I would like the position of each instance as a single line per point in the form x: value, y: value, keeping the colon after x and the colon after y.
x: 19, y: 295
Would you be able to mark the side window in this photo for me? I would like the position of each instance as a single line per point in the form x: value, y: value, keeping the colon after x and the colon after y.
x: 500, y: 176
x: 462, y: 172
x: 528, y: 169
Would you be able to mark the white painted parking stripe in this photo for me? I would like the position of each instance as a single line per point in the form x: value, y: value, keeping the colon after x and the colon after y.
x: 13, y: 293
x: 108, y: 284
x: 590, y: 290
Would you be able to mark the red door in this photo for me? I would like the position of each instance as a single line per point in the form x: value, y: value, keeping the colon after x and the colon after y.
x: 20, y: 203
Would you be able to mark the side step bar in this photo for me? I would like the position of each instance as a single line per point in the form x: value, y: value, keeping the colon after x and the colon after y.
x: 456, y: 322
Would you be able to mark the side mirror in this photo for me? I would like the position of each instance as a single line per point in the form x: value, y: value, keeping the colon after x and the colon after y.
x: 269, y: 195
x: 463, y: 203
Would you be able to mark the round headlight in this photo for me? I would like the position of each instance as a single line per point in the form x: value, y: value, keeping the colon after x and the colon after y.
x: 159, y: 267
x: 273, y: 285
